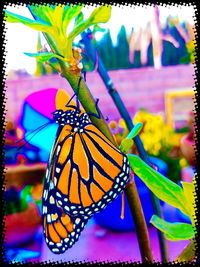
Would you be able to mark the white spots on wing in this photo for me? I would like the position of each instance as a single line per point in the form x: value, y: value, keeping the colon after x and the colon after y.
x: 124, y: 168
x: 47, y: 173
x: 48, y: 218
x: 58, y: 150
x: 55, y: 181
x: 117, y: 180
x: 125, y: 178
x: 110, y: 193
x: 51, y: 243
x: 58, y: 170
x: 55, y: 249
x: 58, y: 194
x: 99, y: 204
x: 67, y: 208
x: 45, y: 194
x: 59, y: 202
x: 72, y: 233
x: 81, y: 212
x: 77, y: 236
x: 66, y: 240
x: 47, y: 240
x: 77, y: 221
x: 58, y: 244
x: 114, y: 196
x: 52, y: 200
x: 51, y: 185
x: 44, y: 210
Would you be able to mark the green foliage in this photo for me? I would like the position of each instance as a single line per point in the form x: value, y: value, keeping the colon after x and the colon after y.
x: 54, y: 21
x: 127, y: 143
x: 114, y: 56
x: 122, y: 49
x: 43, y: 56
x: 173, y: 231
x: 171, y: 193
x: 106, y: 51
x: 36, y: 25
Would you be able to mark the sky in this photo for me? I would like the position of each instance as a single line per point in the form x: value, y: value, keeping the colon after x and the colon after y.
x: 22, y: 39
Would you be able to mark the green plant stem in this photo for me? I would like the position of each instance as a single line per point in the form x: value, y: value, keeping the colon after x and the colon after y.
x: 188, y: 254
x: 139, y: 221
x: 92, y: 53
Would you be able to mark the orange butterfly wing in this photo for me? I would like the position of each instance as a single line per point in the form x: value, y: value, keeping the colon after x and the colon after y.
x: 89, y: 171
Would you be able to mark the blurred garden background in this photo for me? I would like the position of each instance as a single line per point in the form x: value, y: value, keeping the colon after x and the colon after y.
x: 148, y: 53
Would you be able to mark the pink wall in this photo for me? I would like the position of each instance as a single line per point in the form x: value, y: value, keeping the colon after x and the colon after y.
x: 138, y: 88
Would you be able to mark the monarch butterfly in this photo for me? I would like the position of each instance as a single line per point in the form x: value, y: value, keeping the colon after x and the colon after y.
x: 85, y: 172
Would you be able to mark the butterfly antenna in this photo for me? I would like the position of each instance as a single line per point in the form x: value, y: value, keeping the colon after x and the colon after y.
x: 34, y: 132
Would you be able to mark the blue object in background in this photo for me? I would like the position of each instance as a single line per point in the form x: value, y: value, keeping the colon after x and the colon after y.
x: 110, y: 216
x: 42, y: 139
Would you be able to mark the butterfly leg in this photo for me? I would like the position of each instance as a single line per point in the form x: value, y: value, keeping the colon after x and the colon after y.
x: 98, y: 115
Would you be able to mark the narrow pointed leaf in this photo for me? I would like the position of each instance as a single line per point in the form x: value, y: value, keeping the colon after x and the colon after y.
x: 42, y: 57
x: 79, y: 18
x: 99, y: 15
x: 36, y: 25
x: 39, y: 13
x: 189, y: 192
x: 173, y: 231
x: 161, y: 186
x: 69, y: 13
x: 135, y: 131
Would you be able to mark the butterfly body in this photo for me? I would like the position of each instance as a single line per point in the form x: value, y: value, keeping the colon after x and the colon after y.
x: 85, y: 172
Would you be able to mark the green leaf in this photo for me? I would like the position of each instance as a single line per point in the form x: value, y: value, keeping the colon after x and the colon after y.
x: 189, y: 192
x: 173, y: 231
x: 126, y: 145
x: 40, y: 13
x: 42, y: 57
x: 97, y: 28
x: 70, y: 12
x: 135, y: 131
x: 79, y: 18
x: 161, y: 186
x: 36, y: 25
x: 99, y: 15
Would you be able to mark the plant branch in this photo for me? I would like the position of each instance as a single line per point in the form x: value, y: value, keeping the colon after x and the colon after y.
x: 92, y: 53
x: 89, y: 105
